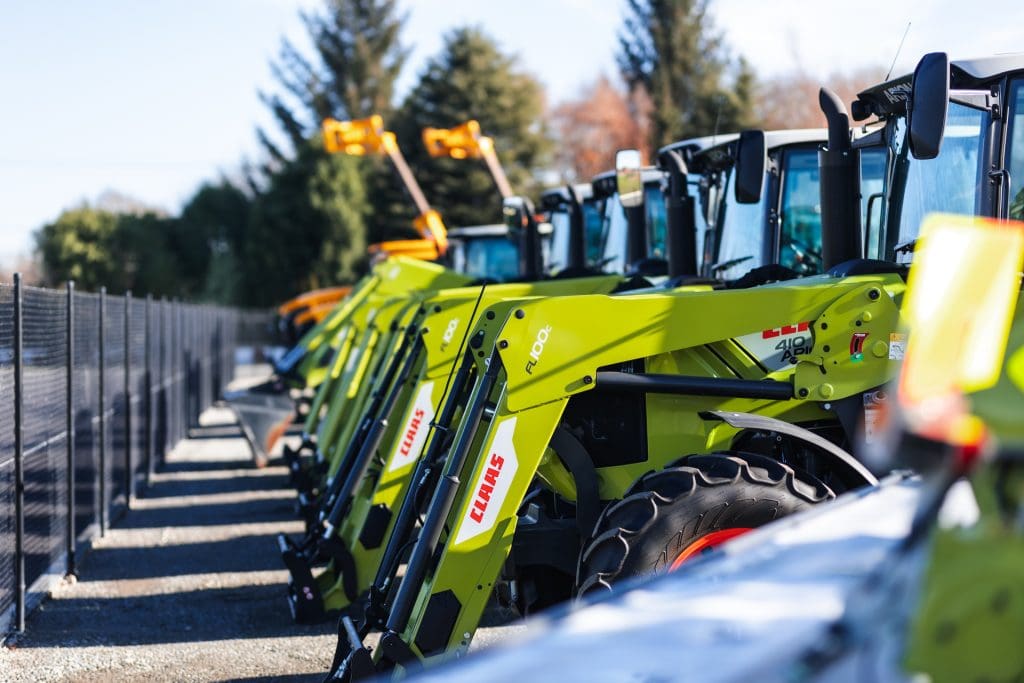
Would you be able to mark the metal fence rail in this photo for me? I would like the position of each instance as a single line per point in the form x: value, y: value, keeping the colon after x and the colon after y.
x: 94, y: 391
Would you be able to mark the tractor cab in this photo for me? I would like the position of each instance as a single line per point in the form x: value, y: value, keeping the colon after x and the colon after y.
x: 641, y: 250
x: 951, y: 136
x: 776, y: 219
x: 483, y: 251
x: 576, y: 220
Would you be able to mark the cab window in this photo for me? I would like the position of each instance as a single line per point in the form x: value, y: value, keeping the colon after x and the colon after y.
x: 494, y: 257
x: 613, y: 236
x: 740, y: 234
x: 654, y: 206
x: 872, y: 182
x: 949, y: 183
x: 1015, y: 150
x: 559, y: 219
x: 800, y: 213
x: 592, y: 224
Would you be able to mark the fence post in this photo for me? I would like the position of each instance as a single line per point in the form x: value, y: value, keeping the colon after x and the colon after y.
x: 163, y: 379
x: 70, y: 419
x: 129, y: 473
x: 19, y: 466
x: 103, y: 413
x: 172, y: 393
x: 147, y: 382
x: 182, y: 375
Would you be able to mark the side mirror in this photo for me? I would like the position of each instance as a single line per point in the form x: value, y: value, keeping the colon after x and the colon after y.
x: 926, y: 108
x: 628, y: 181
x: 751, y: 163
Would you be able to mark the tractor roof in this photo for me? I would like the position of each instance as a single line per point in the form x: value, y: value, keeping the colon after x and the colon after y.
x: 723, y: 154
x: 692, y: 146
x: 556, y: 196
x: 964, y: 74
x: 471, y: 231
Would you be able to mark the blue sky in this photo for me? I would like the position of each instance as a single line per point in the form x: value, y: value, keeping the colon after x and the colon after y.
x: 151, y: 98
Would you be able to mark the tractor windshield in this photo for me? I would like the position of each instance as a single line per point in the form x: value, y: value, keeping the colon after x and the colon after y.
x: 494, y: 257
x: 615, y: 229
x: 949, y: 183
x: 800, y: 208
x: 740, y: 232
x: 592, y: 223
x: 559, y: 219
x: 1015, y: 149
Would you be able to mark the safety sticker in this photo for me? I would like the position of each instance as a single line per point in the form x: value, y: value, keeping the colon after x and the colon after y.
x: 415, y: 429
x: 492, y: 484
x: 875, y: 415
x: 897, y: 345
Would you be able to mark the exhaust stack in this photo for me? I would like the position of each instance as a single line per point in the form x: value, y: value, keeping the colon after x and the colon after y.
x: 839, y: 165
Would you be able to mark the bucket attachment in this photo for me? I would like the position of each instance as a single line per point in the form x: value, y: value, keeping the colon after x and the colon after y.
x: 261, y: 410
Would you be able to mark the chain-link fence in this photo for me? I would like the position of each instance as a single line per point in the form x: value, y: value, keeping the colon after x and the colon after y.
x: 94, y: 391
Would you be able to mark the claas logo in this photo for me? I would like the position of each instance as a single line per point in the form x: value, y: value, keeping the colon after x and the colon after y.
x: 784, y: 330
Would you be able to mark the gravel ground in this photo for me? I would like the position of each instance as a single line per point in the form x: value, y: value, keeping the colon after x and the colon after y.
x: 188, y: 586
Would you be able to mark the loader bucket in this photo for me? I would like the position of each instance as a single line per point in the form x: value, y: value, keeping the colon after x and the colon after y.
x: 261, y: 411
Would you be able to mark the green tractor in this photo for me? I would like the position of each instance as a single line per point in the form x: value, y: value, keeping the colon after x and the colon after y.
x: 582, y: 451
x: 358, y: 423
x: 367, y: 518
x: 345, y: 360
x: 348, y: 488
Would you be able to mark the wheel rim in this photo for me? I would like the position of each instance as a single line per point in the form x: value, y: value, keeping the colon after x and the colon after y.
x: 706, y: 543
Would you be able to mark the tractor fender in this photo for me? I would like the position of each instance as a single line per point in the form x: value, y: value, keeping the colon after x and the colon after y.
x: 843, y: 459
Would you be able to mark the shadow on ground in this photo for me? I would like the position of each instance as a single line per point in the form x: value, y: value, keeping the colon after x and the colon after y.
x: 177, y: 569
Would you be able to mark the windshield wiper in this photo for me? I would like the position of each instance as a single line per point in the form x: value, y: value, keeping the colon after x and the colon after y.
x: 905, y: 247
x: 726, y: 265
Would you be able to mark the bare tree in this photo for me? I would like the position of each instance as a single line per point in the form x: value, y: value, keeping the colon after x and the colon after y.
x: 790, y: 100
x: 593, y: 126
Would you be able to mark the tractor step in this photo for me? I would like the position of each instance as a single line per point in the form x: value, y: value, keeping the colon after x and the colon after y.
x: 304, y: 598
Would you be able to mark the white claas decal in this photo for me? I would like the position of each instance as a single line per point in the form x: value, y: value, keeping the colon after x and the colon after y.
x: 449, y: 332
x: 779, y: 347
x: 492, y: 484
x: 538, y: 348
x: 414, y: 430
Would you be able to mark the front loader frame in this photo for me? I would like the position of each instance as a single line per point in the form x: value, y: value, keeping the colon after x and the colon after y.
x: 688, y: 369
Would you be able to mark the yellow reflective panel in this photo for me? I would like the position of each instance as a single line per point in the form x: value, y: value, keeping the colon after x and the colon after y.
x: 962, y: 290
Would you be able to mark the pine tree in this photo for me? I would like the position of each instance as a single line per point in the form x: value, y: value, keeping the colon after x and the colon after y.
x: 671, y: 50
x: 358, y: 59
x: 472, y: 79
x: 305, y: 228
x: 311, y: 211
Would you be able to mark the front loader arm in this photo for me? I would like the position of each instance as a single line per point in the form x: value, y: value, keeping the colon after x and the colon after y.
x: 555, y: 347
x: 543, y: 370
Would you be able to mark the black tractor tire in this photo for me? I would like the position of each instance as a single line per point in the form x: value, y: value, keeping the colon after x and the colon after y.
x: 667, y: 510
